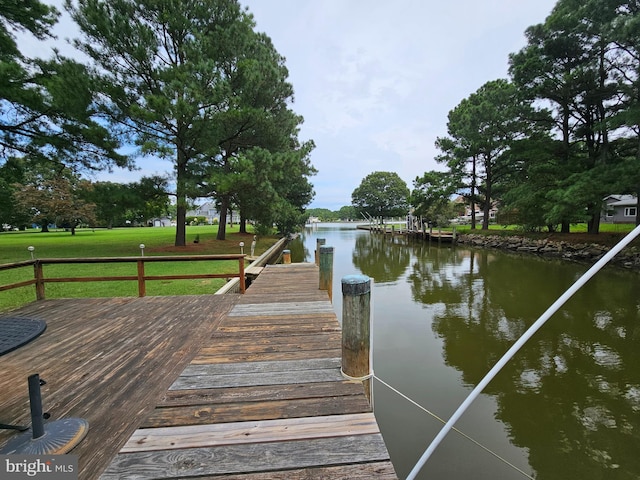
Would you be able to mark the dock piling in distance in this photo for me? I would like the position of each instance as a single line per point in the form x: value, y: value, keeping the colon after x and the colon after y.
x: 356, y: 330
x: 326, y: 270
x: 319, y: 243
x: 286, y: 257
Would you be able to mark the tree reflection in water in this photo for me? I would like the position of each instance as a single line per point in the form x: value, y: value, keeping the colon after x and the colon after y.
x: 571, y: 396
x: 382, y: 257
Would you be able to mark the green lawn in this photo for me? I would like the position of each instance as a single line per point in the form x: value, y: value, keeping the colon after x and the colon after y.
x: 609, y: 234
x: 122, y: 242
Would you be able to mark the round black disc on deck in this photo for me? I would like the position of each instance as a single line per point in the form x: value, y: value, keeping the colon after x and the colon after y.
x: 17, y: 331
x: 59, y: 437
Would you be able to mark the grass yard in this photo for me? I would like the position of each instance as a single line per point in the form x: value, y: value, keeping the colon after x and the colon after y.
x: 122, y: 242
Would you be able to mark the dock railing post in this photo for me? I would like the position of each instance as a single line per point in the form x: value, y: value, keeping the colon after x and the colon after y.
x: 319, y: 243
x: 326, y: 270
x: 142, y: 289
x: 39, y: 277
x: 356, y: 330
x: 242, y: 279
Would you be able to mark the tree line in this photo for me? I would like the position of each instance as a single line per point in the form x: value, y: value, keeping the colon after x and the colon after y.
x: 189, y: 81
x: 41, y: 196
x: 556, y: 137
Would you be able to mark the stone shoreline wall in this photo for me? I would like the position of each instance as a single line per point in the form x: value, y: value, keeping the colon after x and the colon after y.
x: 586, y: 252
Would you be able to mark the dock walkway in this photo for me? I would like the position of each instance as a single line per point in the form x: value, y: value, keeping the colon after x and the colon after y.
x: 263, y: 398
x: 209, y: 386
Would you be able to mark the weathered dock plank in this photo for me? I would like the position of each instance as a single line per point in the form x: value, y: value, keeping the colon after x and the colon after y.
x: 248, y: 458
x: 281, y: 309
x: 262, y: 393
x: 203, y: 413
x: 268, y: 378
x: 236, y: 433
x: 242, y: 348
x: 262, y: 367
x: 377, y: 470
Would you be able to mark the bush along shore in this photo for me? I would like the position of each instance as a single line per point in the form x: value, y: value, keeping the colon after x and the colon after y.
x: 584, y: 252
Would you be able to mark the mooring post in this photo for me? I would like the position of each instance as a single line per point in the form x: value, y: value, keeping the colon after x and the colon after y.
x: 356, y: 330
x: 286, y: 256
x: 326, y: 270
x: 319, y: 243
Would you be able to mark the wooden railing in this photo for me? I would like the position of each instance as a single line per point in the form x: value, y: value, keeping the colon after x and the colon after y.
x: 40, y: 280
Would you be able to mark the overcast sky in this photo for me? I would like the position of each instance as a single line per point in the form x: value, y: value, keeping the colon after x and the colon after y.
x: 375, y: 79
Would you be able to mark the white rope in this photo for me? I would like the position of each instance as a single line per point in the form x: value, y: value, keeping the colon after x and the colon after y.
x: 356, y: 379
x: 472, y: 440
x: 519, y: 343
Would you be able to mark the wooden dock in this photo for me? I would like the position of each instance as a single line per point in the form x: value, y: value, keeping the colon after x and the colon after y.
x: 263, y: 398
x: 216, y: 386
x: 429, y: 235
x: 106, y: 360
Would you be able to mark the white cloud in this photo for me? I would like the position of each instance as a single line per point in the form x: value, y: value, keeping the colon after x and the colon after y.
x: 375, y: 80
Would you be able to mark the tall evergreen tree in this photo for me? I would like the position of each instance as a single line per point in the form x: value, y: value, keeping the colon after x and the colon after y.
x: 186, y: 81
x: 47, y: 110
x: 572, y: 62
x: 482, y: 130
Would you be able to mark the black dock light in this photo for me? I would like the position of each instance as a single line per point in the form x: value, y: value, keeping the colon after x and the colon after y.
x: 52, y: 438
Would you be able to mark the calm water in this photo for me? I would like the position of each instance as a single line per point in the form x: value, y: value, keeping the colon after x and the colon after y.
x: 566, y: 407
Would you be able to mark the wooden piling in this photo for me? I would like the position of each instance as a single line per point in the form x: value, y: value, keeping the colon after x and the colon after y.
x: 356, y: 329
x: 326, y: 270
x: 286, y: 257
x: 319, y: 243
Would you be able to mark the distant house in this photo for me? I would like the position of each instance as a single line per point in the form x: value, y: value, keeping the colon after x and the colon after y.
x: 619, y: 209
x: 209, y: 211
x: 465, y: 215
x: 161, y: 222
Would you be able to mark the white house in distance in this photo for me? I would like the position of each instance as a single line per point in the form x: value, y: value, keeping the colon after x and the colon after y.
x: 466, y: 216
x: 209, y: 211
x: 619, y: 209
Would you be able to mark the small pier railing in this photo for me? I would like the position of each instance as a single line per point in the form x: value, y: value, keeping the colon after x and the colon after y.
x: 39, y: 279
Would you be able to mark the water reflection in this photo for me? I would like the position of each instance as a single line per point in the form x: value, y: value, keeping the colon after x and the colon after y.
x: 381, y: 257
x: 568, y: 404
x: 570, y: 396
